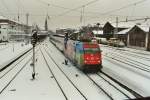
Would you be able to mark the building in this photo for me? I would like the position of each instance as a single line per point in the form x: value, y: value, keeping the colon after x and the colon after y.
x: 138, y: 36
x: 62, y: 31
x: 110, y: 30
x: 12, y: 30
x: 122, y: 35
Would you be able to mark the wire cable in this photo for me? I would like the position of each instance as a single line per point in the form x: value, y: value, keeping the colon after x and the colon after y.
x: 121, y: 8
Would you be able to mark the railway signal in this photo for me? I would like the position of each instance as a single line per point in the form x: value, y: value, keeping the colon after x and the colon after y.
x: 33, y: 42
x: 34, y: 38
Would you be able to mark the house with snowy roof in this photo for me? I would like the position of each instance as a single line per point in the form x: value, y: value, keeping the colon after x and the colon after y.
x: 137, y: 36
x: 109, y: 29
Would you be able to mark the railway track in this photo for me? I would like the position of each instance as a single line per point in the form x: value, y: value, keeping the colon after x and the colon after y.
x: 11, y: 62
x: 14, y: 64
x: 107, y: 84
x: 135, y: 51
x: 134, y: 55
x: 112, y: 80
x: 127, y: 94
x: 111, y: 87
x: 131, y: 53
x: 63, y: 73
x: 101, y: 89
x: 15, y: 75
x: 132, y: 63
x: 129, y: 59
x: 7, y: 76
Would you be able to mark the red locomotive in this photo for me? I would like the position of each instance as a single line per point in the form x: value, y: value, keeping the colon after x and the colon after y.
x: 84, y: 54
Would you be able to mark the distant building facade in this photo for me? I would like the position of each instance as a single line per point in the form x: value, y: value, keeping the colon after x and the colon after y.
x: 12, y: 30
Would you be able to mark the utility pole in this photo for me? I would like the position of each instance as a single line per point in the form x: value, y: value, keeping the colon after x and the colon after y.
x: 83, y: 15
x: 27, y: 18
x: 47, y: 18
x: 82, y: 21
x: 27, y: 22
x: 116, y: 29
x: 148, y: 41
x: 98, y: 24
x: 116, y: 24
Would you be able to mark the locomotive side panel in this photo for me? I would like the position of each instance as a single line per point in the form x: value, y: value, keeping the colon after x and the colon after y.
x: 79, y: 54
x: 69, y: 51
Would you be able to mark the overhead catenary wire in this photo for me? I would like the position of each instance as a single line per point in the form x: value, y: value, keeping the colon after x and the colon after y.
x: 118, y: 9
x: 74, y: 9
x: 91, y: 17
x: 124, y: 7
x: 21, y: 4
x: 46, y: 3
x: 106, y: 13
x: 69, y: 9
x: 87, y: 14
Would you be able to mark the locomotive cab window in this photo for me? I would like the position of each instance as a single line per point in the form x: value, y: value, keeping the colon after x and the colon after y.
x: 91, y: 50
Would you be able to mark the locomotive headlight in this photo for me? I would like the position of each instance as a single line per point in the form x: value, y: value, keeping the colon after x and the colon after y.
x: 85, y: 61
x: 87, y: 58
x: 97, y: 58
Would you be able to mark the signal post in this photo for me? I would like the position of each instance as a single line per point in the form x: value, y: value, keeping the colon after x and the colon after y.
x: 33, y: 42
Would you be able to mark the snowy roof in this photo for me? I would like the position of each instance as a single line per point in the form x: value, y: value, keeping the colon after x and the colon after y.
x: 124, y: 31
x: 124, y: 24
x: 3, y: 23
x: 144, y: 28
x: 2, y: 17
x: 77, y: 31
x: 98, y: 32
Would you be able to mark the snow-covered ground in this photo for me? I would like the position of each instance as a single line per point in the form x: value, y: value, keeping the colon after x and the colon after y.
x: 130, y: 76
x: 57, y: 81
x: 11, y: 50
x: 23, y: 88
x: 129, y: 66
x: 44, y: 87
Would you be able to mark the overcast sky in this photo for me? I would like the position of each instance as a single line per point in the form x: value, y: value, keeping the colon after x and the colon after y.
x: 67, y: 13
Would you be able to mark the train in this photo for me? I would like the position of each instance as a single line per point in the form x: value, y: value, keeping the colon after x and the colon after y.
x: 86, y: 55
x: 83, y: 52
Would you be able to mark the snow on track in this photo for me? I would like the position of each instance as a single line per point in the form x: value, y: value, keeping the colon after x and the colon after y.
x: 42, y: 88
x: 69, y: 91
x: 109, y: 89
x: 86, y: 86
x: 8, y: 55
x: 9, y: 77
x: 133, y: 80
